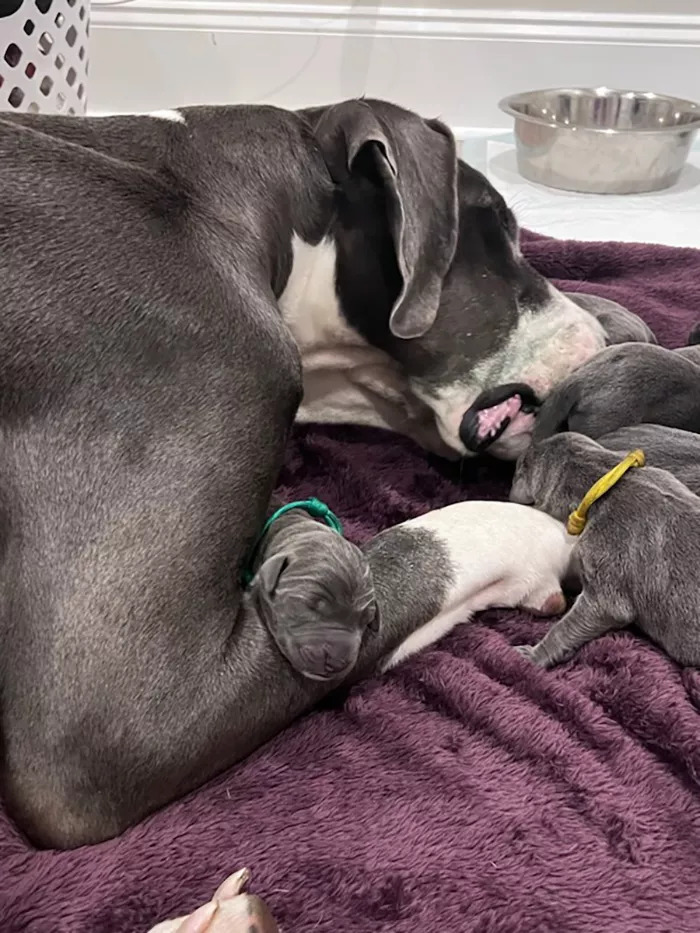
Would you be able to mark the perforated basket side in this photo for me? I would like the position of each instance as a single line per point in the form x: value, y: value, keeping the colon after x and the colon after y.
x: 44, y: 55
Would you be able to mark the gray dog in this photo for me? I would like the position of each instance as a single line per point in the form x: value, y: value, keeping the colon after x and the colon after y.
x: 313, y: 590
x: 172, y: 285
x: 648, y: 520
x: 632, y: 383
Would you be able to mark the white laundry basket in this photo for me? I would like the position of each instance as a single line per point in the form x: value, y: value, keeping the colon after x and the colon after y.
x: 44, y: 55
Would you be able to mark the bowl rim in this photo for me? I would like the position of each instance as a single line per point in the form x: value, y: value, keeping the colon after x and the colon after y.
x: 506, y: 106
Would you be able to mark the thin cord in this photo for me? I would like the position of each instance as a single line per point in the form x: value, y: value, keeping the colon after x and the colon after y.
x: 99, y: 3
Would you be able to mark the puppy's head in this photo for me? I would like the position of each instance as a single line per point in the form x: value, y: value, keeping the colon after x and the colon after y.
x: 554, y: 474
x: 316, y: 598
x: 620, y: 324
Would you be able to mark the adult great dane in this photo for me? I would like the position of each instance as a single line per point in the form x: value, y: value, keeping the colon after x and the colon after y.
x: 164, y: 280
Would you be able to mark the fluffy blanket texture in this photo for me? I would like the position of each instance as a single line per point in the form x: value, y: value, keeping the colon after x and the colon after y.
x: 465, y: 791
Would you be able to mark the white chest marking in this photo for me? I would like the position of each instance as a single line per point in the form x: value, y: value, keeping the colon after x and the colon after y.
x: 309, y: 303
x: 343, y: 375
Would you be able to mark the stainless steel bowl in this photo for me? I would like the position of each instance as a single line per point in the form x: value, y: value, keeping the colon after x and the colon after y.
x: 602, y: 141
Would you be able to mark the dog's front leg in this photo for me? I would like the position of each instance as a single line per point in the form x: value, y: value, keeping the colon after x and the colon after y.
x: 587, y: 619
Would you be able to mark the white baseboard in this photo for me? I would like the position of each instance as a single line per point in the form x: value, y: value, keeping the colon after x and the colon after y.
x: 456, y: 63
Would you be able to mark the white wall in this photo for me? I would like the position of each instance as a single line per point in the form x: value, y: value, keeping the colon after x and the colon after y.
x: 595, y: 6
x: 453, y: 61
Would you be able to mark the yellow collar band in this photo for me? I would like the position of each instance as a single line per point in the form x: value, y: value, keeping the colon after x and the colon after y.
x: 579, y: 517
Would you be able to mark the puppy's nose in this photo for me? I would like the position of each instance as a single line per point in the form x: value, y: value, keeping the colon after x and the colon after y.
x: 338, y: 664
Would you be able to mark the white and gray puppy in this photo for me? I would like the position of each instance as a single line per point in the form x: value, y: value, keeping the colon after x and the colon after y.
x: 632, y: 383
x: 494, y: 555
x: 648, y: 521
x: 313, y: 590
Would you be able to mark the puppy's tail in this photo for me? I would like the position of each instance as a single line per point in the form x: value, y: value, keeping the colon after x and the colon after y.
x: 553, y: 416
x: 694, y: 336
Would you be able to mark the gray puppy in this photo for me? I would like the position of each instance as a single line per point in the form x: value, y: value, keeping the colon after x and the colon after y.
x: 666, y: 448
x: 649, y: 519
x: 619, y: 324
x: 313, y: 590
x: 632, y: 383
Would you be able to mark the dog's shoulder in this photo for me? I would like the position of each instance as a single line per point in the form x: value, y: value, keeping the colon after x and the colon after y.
x: 102, y: 247
x: 63, y: 176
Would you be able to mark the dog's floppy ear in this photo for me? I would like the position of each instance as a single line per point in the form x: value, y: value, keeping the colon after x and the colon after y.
x: 415, y: 161
x: 376, y: 620
x: 265, y: 583
x: 263, y: 591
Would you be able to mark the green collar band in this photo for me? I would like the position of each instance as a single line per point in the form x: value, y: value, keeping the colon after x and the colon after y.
x: 314, y: 507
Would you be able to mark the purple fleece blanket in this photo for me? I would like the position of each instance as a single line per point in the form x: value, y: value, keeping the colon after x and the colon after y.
x: 466, y: 790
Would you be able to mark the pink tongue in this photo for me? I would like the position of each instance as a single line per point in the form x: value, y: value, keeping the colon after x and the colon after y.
x: 490, y: 419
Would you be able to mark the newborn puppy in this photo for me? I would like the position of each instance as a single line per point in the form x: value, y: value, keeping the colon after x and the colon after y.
x: 490, y: 554
x: 626, y: 384
x: 313, y: 590
x: 636, y: 558
x: 619, y: 324
x: 666, y: 448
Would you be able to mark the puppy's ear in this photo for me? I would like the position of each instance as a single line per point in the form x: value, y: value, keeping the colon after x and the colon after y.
x: 557, y: 408
x: 265, y: 583
x: 376, y: 620
x: 415, y: 162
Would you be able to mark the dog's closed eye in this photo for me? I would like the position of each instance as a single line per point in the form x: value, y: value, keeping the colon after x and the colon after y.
x: 319, y: 604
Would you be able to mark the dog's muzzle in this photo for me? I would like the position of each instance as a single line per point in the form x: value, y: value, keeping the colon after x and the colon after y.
x: 493, y: 411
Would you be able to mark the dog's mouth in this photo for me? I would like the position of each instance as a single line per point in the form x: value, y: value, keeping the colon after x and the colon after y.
x: 493, y: 412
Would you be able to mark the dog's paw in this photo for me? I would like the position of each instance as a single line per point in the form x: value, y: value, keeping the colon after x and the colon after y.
x: 529, y: 652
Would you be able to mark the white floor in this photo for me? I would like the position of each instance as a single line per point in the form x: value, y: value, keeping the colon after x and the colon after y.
x: 671, y: 217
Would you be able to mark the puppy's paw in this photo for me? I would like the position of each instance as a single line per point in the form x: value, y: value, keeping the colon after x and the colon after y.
x: 530, y: 653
